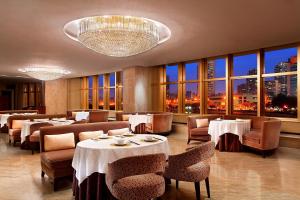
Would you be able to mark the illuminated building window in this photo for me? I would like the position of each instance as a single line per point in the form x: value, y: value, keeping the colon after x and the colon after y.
x: 192, y: 97
x: 280, y: 89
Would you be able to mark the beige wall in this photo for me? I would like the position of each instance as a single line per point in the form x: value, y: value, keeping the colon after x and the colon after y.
x: 74, y: 93
x: 56, y: 96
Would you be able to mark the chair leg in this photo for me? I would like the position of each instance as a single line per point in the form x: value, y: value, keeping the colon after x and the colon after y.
x: 207, y: 187
x: 42, y: 174
x: 197, y: 189
x: 177, y: 183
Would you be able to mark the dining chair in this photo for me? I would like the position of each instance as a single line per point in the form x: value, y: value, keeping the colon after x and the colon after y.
x: 137, y: 178
x: 191, y: 166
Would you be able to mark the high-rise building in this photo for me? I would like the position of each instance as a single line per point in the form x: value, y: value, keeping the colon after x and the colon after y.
x: 211, y: 74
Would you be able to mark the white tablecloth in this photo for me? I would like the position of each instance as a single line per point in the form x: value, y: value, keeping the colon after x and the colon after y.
x: 93, y: 156
x: 81, y: 116
x: 135, y: 120
x: 218, y: 128
x: 25, y: 131
x: 4, y: 118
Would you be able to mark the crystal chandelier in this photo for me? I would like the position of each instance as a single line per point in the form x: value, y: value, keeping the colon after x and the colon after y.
x: 116, y: 35
x: 45, y: 74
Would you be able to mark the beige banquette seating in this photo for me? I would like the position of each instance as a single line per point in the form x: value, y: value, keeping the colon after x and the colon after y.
x: 160, y: 122
x: 57, y: 151
x: 15, y: 123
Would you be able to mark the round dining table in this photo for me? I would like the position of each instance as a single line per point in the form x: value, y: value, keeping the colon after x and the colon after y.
x: 228, y: 134
x: 92, y: 156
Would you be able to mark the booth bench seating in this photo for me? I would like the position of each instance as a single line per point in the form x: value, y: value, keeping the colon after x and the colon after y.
x: 94, y: 115
x: 160, y: 122
x: 56, y: 160
x: 264, y: 133
x: 15, y: 123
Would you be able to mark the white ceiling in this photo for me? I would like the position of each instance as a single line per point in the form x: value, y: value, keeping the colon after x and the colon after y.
x: 31, y: 31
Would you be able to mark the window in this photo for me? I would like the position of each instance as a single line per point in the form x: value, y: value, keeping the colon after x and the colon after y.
x: 215, y: 84
x: 281, y: 60
x: 112, y: 91
x: 172, y: 88
x: 245, y: 65
x: 171, y: 73
x: 100, y: 92
x: 280, y: 89
x: 216, y: 68
x: 192, y: 99
x: 172, y: 98
x: 119, y: 95
x: 90, y: 86
x: 216, y: 96
x: 245, y: 96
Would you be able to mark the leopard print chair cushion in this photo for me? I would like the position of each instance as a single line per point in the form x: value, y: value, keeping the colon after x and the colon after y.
x: 137, y: 178
x: 192, y: 165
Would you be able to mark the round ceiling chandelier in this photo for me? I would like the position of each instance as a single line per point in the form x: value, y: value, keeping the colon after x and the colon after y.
x: 116, y: 35
x: 45, y: 74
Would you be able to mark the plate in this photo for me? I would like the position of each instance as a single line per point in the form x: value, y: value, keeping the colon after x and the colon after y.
x: 120, y: 145
x: 104, y: 137
x: 153, y: 140
x: 128, y: 134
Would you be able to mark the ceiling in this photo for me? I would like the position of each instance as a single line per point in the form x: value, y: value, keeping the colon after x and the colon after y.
x: 32, y: 31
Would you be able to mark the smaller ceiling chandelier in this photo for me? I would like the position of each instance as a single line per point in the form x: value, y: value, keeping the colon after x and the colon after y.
x: 44, y: 74
x: 116, y: 35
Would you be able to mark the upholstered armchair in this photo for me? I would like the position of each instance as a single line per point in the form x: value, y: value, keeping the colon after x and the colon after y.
x: 265, y: 137
x: 160, y: 123
x: 137, y: 178
x: 199, y: 133
x: 191, y: 166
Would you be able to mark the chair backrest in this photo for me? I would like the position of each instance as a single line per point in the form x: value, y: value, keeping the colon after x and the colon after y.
x: 192, y: 120
x: 77, y: 128
x: 136, y: 165
x: 31, y: 117
x: 271, y: 134
x: 98, y: 116
x: 195, y: 155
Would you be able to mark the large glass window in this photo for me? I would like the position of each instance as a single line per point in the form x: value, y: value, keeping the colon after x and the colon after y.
x: 245, y: 65
x: 172, y: 89
x: 172, y: 98
x: 90, y: 85
x: 171, y: 73
x: 100, y: 92
x: 281, y: 60
x: 192, y: 98
x: 280, y: 89
x: 245, y: 96
x: 216, y: 96
x: 216, y: 68
x: 281, y: 96
x: 112, y: 91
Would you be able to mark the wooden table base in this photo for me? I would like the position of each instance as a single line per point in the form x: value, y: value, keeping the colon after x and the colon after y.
x: 229, y: 142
